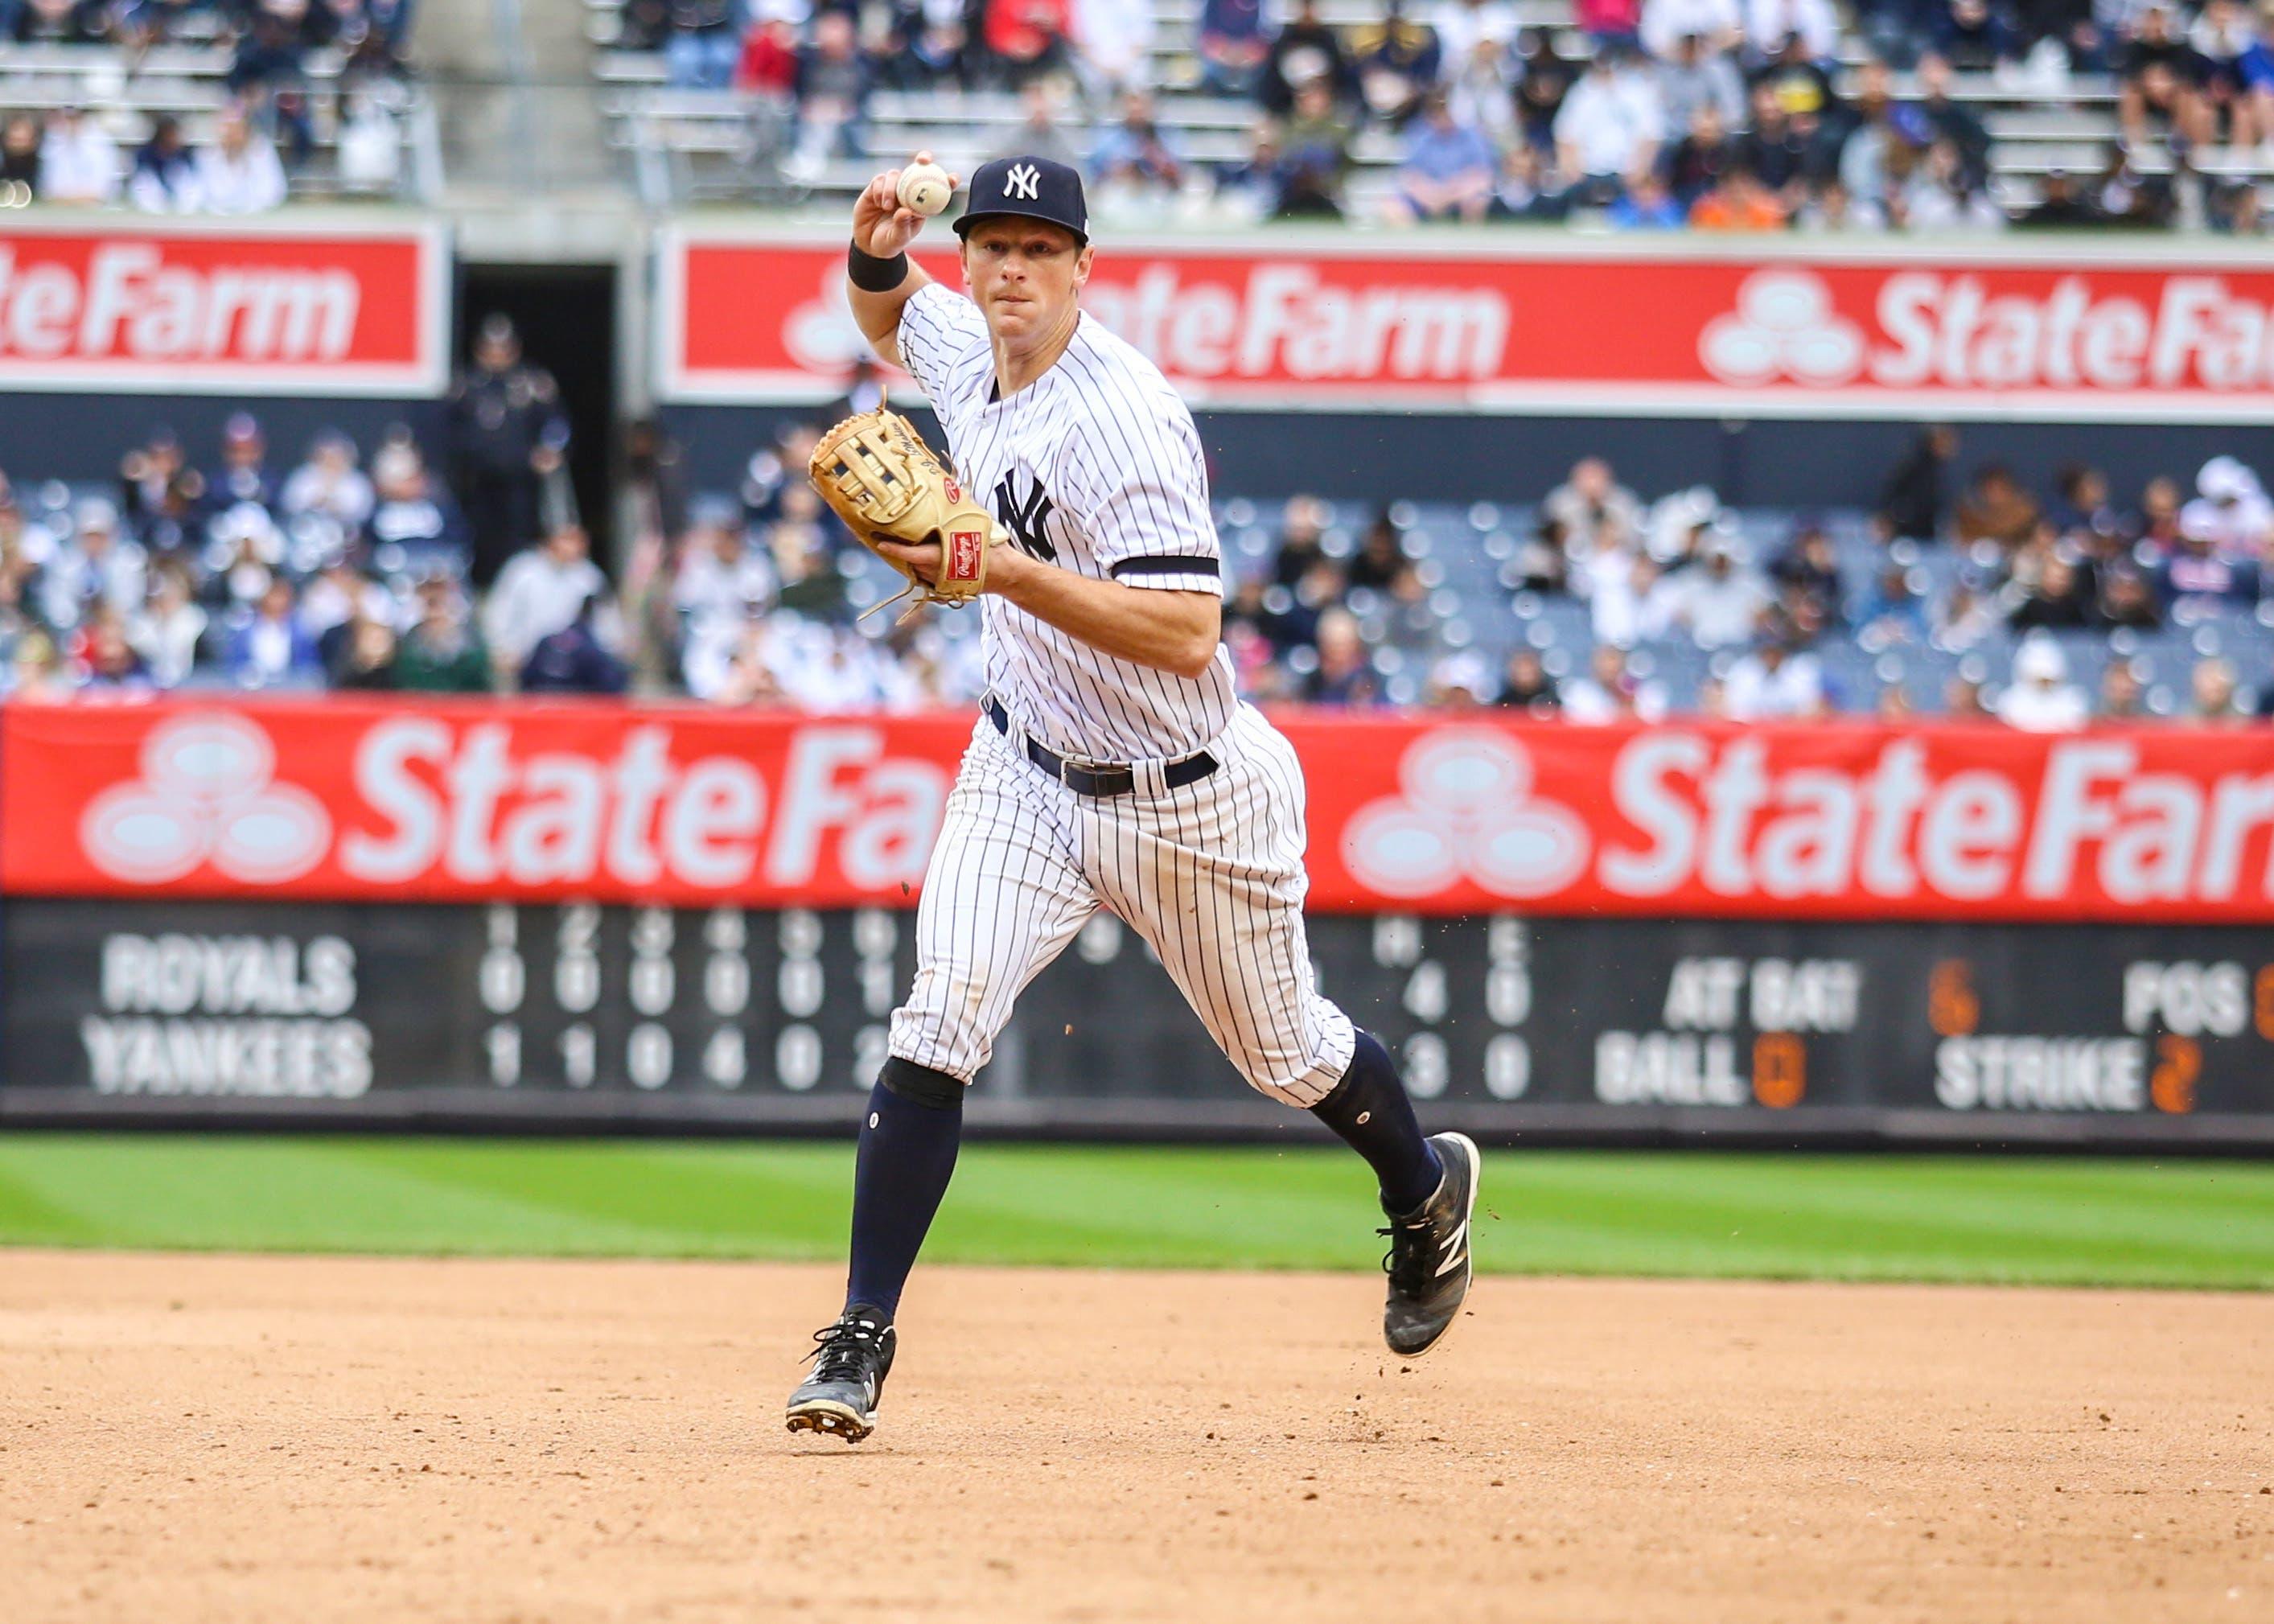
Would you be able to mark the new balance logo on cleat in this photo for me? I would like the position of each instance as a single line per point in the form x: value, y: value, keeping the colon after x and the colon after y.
x: 1428, y: 1258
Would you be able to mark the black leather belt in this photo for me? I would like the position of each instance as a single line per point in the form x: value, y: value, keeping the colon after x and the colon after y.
x: 1101, y: 777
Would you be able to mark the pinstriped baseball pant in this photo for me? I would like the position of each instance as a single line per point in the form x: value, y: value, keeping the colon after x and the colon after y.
x: 1210, y: 875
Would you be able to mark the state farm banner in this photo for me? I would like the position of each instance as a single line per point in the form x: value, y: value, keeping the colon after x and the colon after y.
x: 356, y: 799
x: 1677, y: 327
x: 309, y: 307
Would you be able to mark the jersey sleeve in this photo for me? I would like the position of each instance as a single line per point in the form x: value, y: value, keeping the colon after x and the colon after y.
x: 939, y: 330
x: 1139, y: 490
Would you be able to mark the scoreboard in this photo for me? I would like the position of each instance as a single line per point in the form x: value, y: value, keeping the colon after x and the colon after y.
x: 475, y: 1014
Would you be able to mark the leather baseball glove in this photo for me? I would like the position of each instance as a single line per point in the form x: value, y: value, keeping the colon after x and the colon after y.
x: 876, y: 471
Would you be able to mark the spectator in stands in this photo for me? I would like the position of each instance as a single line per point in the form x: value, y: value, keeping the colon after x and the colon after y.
x: 2041, y: 699
x: 1808, y: 571
x: 1722, y: 604
x: 363, y: 660
x: 441, y: 653
x: 2163, y: 75
x: 1610, y: 692
x: 1594, y: 509
x: 1113, y: 42
x: 1381, y: 564
x: 833, y: 95
x: 158, y: 492
x: 329, y: 485
x: 1134, y: 158
x: 106, y: 661
x: 1891, y: 612
x: 1704, y: 154
x: 61, y: 22
x: 1039, y: 134
x: 1940, y: 197
x: 1526, y: 686
x: 243, y: 552
x: 1460, y: 682
x: 1948, y: 120
x: 1769, y: 24
x: 2057, y: 597
x: 1831, y: 208
x: 2058, y: 207
x: 2197, y: 574
x: 1395, y: 62
x: 541, y: 590
x: 1774, y: 681
x: 2123, y: 696
x: 268, y: 644
x: 167, y: 630
x: 1543, y: 83
x: 1530, y: 187
x: 1646, y: 205
x: 96, y: 564
x: 1232, y: 46
x: 1997, y: 509
x: 166, y: 178
x: 2220, y: 37
x: 1737, y: 202
x: 1667, y: 26
x: 2214, y: 696
x: 2255, y: 69
x: 1780, y: 149
x: 1975, y: 37
x: 508, y: 436
x: 1304, y: 50
x: 240, y: 173
x: 2231, y: 508
x: 721, y: 578
x: 22, y: 145
x: 369, y: 143
x: 1611, y: 125
x: 575, y: 659
x: 2127, y: 599
x: 1448, y: 171
x: 1693, y: 76
x: 243, y: 474
x: 1916, y: 493
x: 1343, y: 676
x: 702, y: 42
x: 78, y: 162
x: 1314, y: 157
x: 1465, y: 27
x: 340, y: 595
x: 768, y: 63
x: 412, y: 520
x: 1027, y: 38
x: 38, y: 674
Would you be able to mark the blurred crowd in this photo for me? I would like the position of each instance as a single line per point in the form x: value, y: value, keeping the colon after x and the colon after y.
x: 1647, y: 115
x: 368, y: 567
x: 93, y: 146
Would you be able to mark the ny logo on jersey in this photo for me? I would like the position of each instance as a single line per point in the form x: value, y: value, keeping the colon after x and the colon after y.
x: 1025, y: 519
x: 1021, y: 182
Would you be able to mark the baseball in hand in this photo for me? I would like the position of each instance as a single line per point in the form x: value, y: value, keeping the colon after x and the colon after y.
x: 925, y: 188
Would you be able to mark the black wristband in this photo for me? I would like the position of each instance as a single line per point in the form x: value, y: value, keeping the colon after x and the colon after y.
x: 871, y: 275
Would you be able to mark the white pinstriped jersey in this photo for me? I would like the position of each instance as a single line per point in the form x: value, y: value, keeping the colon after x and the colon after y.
x: 1095, y: 467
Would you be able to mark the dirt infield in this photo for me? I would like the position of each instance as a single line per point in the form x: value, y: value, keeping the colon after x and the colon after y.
x: 248, y: 1439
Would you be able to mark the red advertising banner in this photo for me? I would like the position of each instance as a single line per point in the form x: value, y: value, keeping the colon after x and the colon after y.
x: 346, y: 798
x: 1671, y: 327
x: 320, y: 308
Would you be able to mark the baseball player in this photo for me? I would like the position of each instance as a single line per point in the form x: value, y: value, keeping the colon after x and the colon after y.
x: 1112, y: 764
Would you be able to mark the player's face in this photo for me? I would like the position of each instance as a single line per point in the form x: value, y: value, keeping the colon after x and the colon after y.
x: 1024, y: 275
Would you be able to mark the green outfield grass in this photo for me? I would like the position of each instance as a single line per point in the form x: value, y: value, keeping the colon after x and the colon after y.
x: 2115, y: 1222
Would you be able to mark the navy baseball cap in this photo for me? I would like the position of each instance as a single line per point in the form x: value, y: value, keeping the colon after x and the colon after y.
x: 1037, y: 188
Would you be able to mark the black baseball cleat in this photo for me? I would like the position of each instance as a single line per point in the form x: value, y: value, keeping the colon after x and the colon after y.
x: 1429, y: 1257
x: 851, y: 1358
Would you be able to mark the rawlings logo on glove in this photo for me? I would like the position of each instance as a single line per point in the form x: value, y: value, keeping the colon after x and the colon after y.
x: 879, y: 476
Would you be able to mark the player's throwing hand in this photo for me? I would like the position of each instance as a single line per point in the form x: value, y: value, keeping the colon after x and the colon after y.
x: 883, y: 225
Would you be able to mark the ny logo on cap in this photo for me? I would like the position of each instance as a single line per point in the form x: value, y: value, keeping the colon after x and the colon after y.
x: 1021, y: 182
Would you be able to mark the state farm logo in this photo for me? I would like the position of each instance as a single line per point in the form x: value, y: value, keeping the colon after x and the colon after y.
x: 1467, y: 813
x: 1784, y: 327
x: 206, y: 795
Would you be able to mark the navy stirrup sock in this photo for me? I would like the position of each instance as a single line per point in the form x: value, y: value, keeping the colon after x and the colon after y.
x: 907, y: 1155
x: 1370, y: 1111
